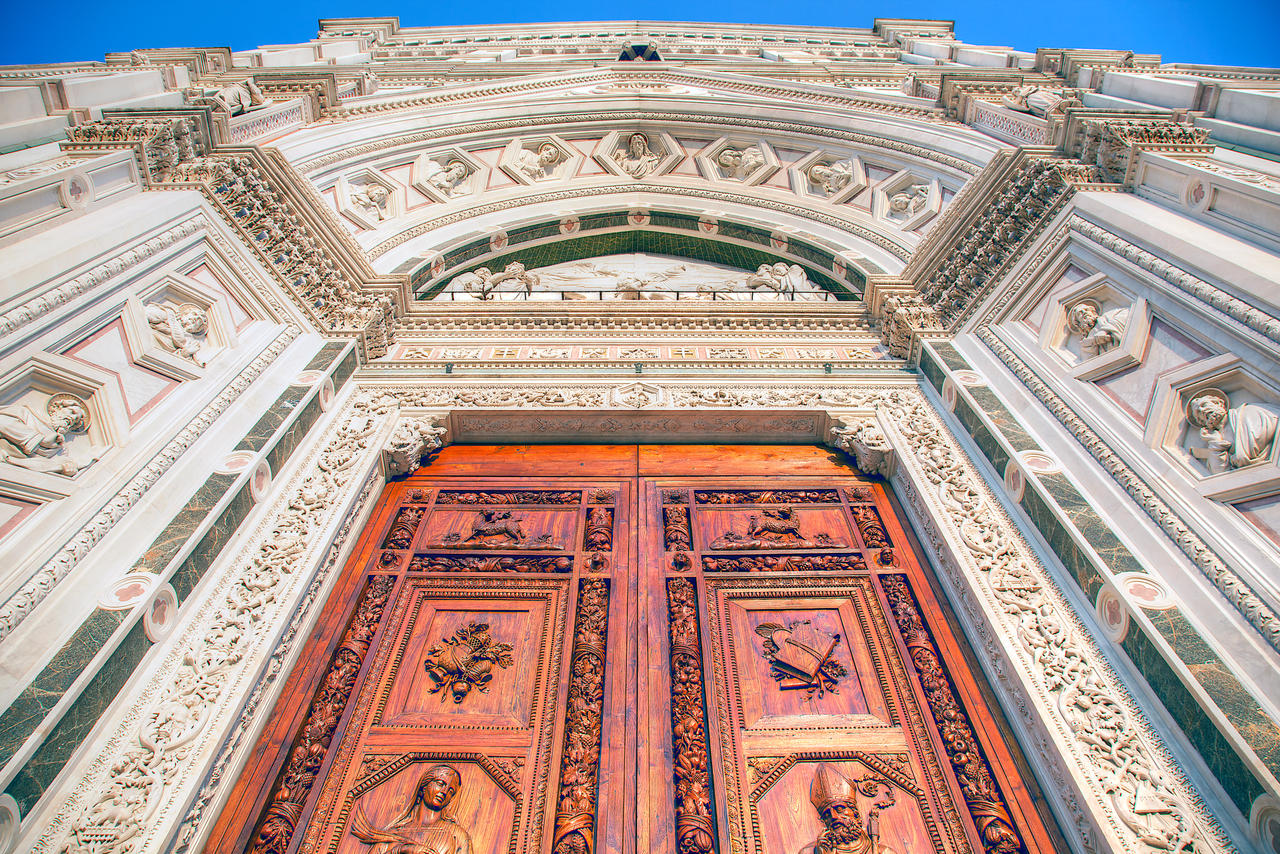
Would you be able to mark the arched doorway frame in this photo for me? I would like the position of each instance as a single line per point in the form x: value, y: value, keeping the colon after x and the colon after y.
x: 1015, y: 615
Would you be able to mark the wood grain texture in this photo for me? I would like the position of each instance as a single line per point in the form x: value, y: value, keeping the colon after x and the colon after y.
x: 685, y: 737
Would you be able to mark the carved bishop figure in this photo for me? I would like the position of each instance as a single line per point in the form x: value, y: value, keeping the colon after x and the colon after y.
x: 835, y: 797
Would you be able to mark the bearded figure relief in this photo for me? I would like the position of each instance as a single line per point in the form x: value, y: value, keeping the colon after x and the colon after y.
x: 1235, y: 436
x: 39, y: 443
x: 1099, y: 330
x: 835, y: 797
x: 739, y: 164
x: 637, y: 160
x: 425, y: 826
x: 831, y: 178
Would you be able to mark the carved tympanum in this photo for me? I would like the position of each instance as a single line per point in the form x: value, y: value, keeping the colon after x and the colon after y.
x: 425, y: 826
x: 835, y: 797
x: 802, y: 657
x: 465, y: 661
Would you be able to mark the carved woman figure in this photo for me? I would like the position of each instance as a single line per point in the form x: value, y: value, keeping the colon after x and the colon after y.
x: 1235, y: 436
x: 739, y: 163
x: 176, y: 330
x: 424, y: 827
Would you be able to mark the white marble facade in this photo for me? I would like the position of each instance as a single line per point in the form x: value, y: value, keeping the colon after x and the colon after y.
x: 1037, y: 291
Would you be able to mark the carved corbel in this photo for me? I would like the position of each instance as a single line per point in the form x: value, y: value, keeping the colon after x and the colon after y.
x: 1111, y: 141
x: 859, y: 436
x: 416, y: 436
x: 160, y: 139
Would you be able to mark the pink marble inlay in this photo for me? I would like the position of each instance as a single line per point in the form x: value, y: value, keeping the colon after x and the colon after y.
x: 141, y: 387
x: 1167, y: 349
x: 1263, y: 514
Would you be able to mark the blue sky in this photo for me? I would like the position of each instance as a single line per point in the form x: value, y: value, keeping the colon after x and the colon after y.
x: 1234, y: 32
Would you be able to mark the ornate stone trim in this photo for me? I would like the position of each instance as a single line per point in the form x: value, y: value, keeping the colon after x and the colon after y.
x: 613, y: 119
x: 45, y: 302
x: 632, y: 189
x: 23, y: 601
x: 1235, y: 589
x: 1043, y: 657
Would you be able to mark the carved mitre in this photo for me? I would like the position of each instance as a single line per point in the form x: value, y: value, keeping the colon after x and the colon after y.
x: 861, y: 439
x: 412, y: 439
x: 829, y: 787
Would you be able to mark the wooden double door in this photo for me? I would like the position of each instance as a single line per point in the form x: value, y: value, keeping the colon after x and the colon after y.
x: 684, y: 649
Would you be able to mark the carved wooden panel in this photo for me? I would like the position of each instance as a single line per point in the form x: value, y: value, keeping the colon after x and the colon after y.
x: 687, y: 663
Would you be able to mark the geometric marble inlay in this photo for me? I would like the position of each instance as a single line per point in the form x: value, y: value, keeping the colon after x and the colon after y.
x: 142, y: 388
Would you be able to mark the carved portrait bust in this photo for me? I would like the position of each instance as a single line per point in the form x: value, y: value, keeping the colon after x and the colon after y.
x: 636, y: 159
x: 39, y: 443
x: 1099, y: 330
x: 1234, y: 436
x: 424, y: 827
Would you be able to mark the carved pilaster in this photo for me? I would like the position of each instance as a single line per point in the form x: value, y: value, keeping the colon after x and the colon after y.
x: 580, y: 760
x: 275, y: 831
x: 695, y: 822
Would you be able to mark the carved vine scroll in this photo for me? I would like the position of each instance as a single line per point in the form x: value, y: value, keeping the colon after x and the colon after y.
x: 695, y: 833
x: 986, y: 804
x: 276, y: 829
x: 580, y: 761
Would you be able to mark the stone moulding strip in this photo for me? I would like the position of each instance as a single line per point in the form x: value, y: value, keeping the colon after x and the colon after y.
x: 898, y: 250
x: 1048, y: 670
x: 1258, y: 613
x: 50, y: 299
x: 35, y: 589
x: 452, y: 131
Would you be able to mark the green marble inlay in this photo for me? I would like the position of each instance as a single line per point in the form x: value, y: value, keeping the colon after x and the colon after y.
x: 188, y: 575
x: 528, y: 233
x: 932, y: 368
x: 258, y: 436
x: 1095, y: 531
x: 1248, y: 718
x: 345, y: 369
x: 982, y: 437
x: 325, y: 355
x: 46, y: 690
x: 1235, y: 777
x: 1058, y: 536
x: 38, y: 774
x: 170, y: 541
x: 999, y: 415
x: 951, y: 357
x: 289, y: 439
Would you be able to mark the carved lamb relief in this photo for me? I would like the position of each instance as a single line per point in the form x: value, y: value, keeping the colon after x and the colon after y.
x: 177, y: 327
x: 906, y: 200
x: 447, y: 175
x: 638, y: 154
x: 738, y: 160
x: 539, y: 159
x: 1222, y: 424
x: 829, y: 175
x: 58, y: 417
x: 1095, y: 328
x: 368, y: 198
